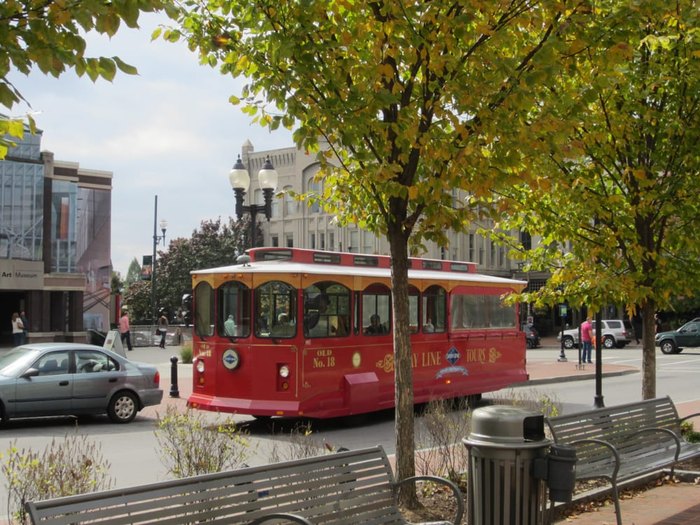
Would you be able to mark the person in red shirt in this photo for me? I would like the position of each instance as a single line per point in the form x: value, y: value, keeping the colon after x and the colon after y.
x: 124, y: 330
x: 586, y: 340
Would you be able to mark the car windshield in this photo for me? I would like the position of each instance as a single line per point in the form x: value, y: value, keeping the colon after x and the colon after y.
x: 16, y: 359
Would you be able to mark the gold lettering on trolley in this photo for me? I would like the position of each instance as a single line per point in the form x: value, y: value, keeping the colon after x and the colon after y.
x: 481, y: 355
x: 423, y: 360
x: 386, y: 364
x: 323, y: 359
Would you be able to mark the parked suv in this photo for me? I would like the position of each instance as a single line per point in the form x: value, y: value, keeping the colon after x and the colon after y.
x: 616, y: 333
x: 673, y: 342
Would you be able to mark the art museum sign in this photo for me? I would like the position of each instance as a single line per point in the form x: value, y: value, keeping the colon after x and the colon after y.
x: 21, y: 275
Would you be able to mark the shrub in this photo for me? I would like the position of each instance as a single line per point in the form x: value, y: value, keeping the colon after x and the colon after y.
x: 186, y: 354
x: 72, y: 466
x: 191, y: 444
x: 301, y: 444
x: 445, y: 423
x: 688, y: 432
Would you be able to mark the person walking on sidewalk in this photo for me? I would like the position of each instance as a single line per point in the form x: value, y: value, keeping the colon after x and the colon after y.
x: 124, y: 329
x: 162, y: 329
x: 17, y: 330
x: 586, y: 340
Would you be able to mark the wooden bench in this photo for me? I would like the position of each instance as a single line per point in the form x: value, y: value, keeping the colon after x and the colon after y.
x: 624, y: 442
x: 345, y: 488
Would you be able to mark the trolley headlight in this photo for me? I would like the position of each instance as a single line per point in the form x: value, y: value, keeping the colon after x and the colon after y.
x: 200, y: 366
x: 284, y: 371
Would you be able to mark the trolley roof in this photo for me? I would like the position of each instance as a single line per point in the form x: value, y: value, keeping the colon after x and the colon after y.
x: 295, y: 260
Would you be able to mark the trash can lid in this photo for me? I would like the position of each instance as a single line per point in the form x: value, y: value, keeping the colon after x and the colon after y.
x: 506, y: 426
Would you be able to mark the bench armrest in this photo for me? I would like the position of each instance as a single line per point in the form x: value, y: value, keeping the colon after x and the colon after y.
x: 607, y: 445
x: 691, y: 416
x: 456, y: 493
x: 282, y: 516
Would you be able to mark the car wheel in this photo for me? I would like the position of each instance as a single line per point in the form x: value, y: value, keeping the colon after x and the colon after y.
x: 608, y: 342
x: 568, y: 342
x: 123, y: 407
x: 668, y: 346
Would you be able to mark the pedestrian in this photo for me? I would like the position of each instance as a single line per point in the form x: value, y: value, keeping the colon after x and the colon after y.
x: 657, y: 323
x: 25, y: 327
x: 586, y: 340
x: 637, y: 326
x: 17, y: 329
x: 124, y: 330
x: 230, y: 326
x: 162, y: 329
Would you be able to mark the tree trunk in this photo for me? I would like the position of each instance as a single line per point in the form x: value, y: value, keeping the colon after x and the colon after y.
x: 648, y: 351
x: 403, y: 372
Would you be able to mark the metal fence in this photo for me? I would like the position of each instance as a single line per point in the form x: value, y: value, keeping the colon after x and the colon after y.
x: 145, y: 335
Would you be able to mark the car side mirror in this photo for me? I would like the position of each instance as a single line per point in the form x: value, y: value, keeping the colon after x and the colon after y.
x: 30, y: 372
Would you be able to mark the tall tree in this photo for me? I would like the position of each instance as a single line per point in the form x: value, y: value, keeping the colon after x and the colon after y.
x: 213, y: 244
x: 133, y: 273
x: 619, y: 166
x: 49, y: 34
x: 415, y: 99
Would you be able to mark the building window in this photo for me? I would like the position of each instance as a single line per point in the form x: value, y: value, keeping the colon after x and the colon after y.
x: 274, y: 241
x: 290, y: 205
x: 289, y: 240
x: 315, y: 187
x: 313, y: 241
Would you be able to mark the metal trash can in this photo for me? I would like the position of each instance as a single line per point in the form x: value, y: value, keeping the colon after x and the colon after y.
x: 503, y: 445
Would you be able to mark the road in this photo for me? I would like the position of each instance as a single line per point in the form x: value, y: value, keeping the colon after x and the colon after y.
x: 132, y: 452
x: 676, y: 376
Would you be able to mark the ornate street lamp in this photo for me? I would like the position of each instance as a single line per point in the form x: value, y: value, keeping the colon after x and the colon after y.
x: 156, y: 240
x: 240, y: 182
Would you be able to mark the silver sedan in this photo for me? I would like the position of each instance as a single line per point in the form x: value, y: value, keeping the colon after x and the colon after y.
x: 48, y: 379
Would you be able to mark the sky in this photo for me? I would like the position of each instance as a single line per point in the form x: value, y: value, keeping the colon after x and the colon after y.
x: 170, y: 132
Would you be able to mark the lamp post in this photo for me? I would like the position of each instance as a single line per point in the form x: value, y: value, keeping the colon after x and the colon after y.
x: 156, y: 240
x: 240, y: 182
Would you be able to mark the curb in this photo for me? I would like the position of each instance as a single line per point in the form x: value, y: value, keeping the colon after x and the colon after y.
x: 563, y: 379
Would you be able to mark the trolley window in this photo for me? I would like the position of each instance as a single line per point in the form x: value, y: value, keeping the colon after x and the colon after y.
x: 376, y: 310
x: 275, y: 310
x: 234, y: 310
x: 481, y: 311
x: 204, y: 310
x: 434, y: 309
x: 413, y: 302
x: 326, y: 310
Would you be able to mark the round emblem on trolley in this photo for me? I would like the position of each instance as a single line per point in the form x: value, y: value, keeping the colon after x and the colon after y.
x: 230, y: 359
